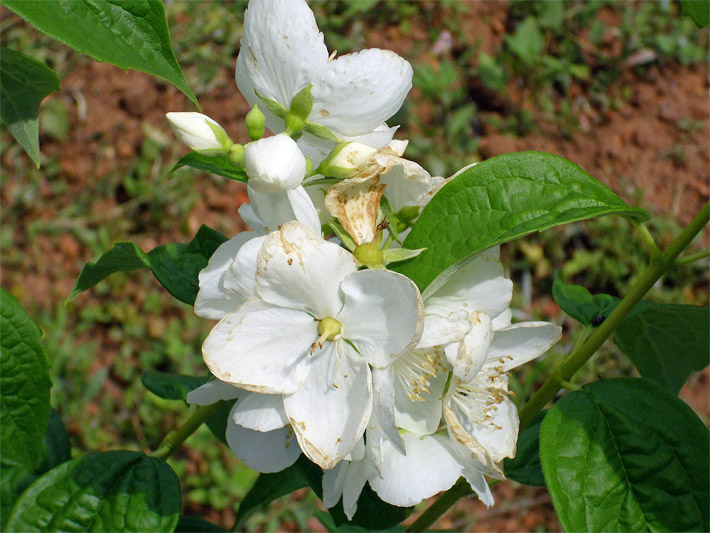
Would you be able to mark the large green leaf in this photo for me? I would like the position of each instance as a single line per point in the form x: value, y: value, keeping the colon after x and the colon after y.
x: 126, y: 33
x: 195, y: 524
x: 216, y: 164
x: 626, y: 455
x: 175, y: 266
x: 110, y: 491
x: 170, y: 386
x: 666, y: 342
x: 24, y: 384
x: 498, y: 200
x: 25, y: 83
x: 525, y: 466
x: 581, y: 304
x: 698, y: 10
x: 15, y: 478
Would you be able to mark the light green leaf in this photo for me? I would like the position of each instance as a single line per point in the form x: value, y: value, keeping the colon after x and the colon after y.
x: 126, y: 33
x: 25, y: 82
x: 24, y: 385
x: 498, y: 200
x: 581, y: 305
x: 525, y: 466
x: 170, y: 386
x: 216, y: 164
x: 175, y: 266
x: 110, y: 491
x: 666, y: 342
x: 626, y: 455
x: 698, y: 10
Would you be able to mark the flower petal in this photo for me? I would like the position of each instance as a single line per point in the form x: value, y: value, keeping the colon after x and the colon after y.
x: 443, y: 329
x: 281, y: 50
x: 260, y: 412
x: 261, y: 348
x: 473, y: 350
x: 428, y: 468
x: 214, y: 300
x: 382, y: 315
x: 240, y: 276
x: 523, y: 342
x: 269, y: 451
x: 331, y: 410
x: 213, y: 392
x: 300, y: 270
x: 501, y: 435
x: 357, y: 92
x: 383, y: 390
x: 270, y: 210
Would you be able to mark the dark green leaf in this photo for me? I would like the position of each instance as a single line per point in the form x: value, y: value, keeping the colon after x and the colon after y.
x: 269, y: 487
x: 25, y: 82
x: 525, y: 467
x: 175, y: 266
x: 126, y: 33
x: 498, y: 200
x: 24, y: 384
x: 57, y: 447
x: 217, y: 422
x: 170, y: 386
x: 698, y: 10
x: 195, y: 524
x: 580, y: 304
x: 216, y: 164
x: 666, y: 342
x: 626, y: 455
x: 14, y: 479
x: 110, y: 491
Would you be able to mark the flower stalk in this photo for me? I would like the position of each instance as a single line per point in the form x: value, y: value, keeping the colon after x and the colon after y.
x: 175, y: 438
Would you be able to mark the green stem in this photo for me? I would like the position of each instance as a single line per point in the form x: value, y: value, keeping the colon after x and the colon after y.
x: 648, y: 239
x: 690, y: 258
x: 659, y: 265
x: 176, y: 437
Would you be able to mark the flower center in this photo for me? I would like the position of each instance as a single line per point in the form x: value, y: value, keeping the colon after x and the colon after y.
x: 329, y: 329
x: 369, y: 254
x: 416, y: 370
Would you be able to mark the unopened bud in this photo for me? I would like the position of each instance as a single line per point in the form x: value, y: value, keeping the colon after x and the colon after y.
x: 346, y: 159
x: 256, y: 123
x: 302, y: 103
x: 274, y: 164
x: 200, y: 133
x: 236, y: 154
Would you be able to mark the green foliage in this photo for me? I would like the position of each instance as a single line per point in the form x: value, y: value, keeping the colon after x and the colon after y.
x: 129, y: 34
x: 625, y: 454
x: 24, y: 384
x: 499, y: 200
x: 525, y: 467
x: 110, y: 491
x: 195, y: 524
x: 175, y: 266
x: 216, y: 164
x: 666, y: 342
x: 25, y: 82
x: 698, y: 10
x: 527, y: 43
x: 170, y: 386
x: 581, y: 305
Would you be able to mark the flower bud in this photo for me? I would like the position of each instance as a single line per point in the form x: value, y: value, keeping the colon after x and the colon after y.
x: 346, y: 159
x: 199, y: 132
x: 256, y: 122
x: 274, y: 164
x: 369, y: 254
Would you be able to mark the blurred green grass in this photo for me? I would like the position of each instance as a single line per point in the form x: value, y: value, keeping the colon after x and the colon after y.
x: 100, y: 344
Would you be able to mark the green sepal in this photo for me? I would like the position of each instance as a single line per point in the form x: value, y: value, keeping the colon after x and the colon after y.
x: 321, y: 132
x: 393, y: 255
x: 273, y: 106
x: 302, y: 103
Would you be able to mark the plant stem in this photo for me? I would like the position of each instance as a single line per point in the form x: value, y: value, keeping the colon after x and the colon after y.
x: 177, y: 436
x: 658, y: 266
x: 648, y: 239
x: 662, y: 264
x: 690, y: 258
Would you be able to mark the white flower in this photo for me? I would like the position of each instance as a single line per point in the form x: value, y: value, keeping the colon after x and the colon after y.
x: 257, y: 431
x: 282, y: 52
x: 345, y: 160
x: 312, y: 333
x: 274, y: 164
x: 199, y: 132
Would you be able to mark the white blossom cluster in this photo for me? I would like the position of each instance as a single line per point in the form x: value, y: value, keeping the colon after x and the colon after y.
x: 327, y: 352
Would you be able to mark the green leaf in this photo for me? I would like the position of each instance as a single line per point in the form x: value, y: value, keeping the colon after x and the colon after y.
x: 527, y: 42
x: 698, y: 10
x: 525, y: 467
x: 269, y: 487
x: 216, y: 164
x: 25, y: 83
x: 24, y: 384
x: 175, y: 266
x: 126, y: 33
x: 110, y: 491
x: 666, y: 342
x: 170, y: 386
x: 626, y: 455
x: 194, y: 524
x: 217, y: 422
x: 580, y: 304
x: 498, y: 200
x: 15, y: 478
